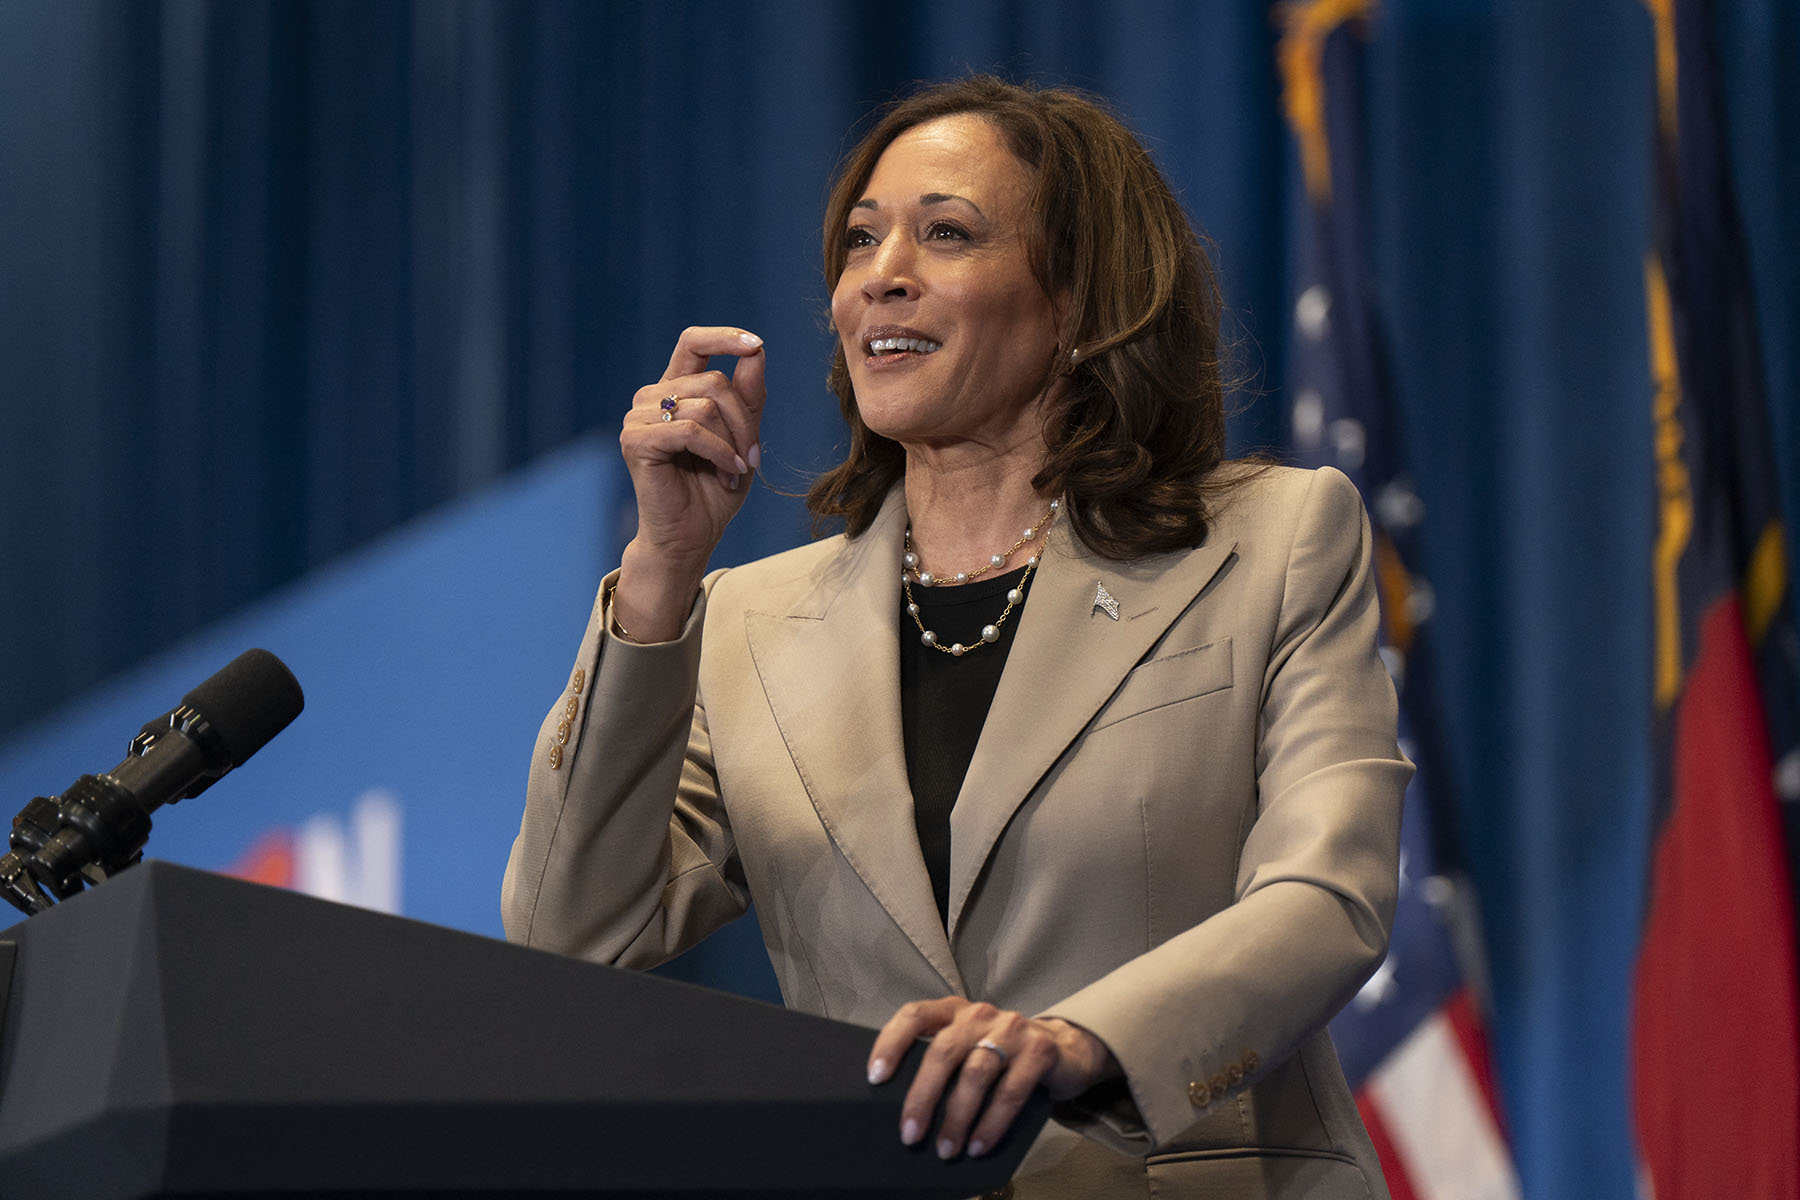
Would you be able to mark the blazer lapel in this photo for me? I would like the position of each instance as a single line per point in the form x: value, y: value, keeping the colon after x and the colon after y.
x: 830, y: 667
x: 1068, y: 658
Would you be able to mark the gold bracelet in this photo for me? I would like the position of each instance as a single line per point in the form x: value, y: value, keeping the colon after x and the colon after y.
x: 612, y: 621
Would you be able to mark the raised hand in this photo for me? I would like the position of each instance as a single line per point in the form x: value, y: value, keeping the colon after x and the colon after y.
x: 691, y: 444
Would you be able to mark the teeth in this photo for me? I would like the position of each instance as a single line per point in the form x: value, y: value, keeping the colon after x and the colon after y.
x: 891, y: 345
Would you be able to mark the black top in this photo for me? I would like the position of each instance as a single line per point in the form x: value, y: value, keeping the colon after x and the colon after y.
x: 944, y: 702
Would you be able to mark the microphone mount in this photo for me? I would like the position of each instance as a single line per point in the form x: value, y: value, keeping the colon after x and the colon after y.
x: 98, y: 826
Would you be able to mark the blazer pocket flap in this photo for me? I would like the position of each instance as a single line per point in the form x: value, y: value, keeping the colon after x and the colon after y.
x: 1182, y: 675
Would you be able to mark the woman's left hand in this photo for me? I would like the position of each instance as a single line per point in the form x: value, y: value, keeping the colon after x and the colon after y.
x: 989, y: 1059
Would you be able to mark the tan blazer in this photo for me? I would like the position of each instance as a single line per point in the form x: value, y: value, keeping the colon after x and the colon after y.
x: 1180, y: 829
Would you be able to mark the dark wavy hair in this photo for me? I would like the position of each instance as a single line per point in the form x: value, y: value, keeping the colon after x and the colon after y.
x: 1134, y: 437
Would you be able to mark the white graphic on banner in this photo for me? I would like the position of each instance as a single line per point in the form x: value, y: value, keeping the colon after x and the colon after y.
x: 354, y: 861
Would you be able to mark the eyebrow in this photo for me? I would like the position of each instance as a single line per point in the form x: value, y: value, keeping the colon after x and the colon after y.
x: 928, y: 199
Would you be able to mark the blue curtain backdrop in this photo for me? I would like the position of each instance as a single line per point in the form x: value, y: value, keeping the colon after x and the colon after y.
x: 275, y: 277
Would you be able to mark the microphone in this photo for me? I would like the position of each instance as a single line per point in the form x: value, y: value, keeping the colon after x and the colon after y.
x: 99, y: 825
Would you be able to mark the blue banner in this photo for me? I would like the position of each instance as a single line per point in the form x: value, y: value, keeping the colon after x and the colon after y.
x: 428, y: 659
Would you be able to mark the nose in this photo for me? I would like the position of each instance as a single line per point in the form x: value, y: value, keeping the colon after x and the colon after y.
x: 892, y: 272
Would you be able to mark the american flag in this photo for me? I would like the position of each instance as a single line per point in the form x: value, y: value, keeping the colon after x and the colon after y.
x: 1413, y: 1042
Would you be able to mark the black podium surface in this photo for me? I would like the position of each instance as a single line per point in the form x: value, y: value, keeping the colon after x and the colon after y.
x: 174, y: 1033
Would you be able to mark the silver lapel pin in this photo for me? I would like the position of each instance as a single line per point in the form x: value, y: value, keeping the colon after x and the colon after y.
x: 1103, y: 600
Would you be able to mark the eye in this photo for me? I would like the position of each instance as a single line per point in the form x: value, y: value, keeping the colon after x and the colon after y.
x: 857, y: 236
x: 945, y: 231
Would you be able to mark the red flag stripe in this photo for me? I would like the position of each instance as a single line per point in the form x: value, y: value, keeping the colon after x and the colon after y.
x: 1440, y: 1124
x: 1398, y: 1182
x: 1471, y: 1032
x: 1716, y: 1039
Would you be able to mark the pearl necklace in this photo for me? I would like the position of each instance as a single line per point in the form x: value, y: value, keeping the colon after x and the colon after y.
x: 909, y: 571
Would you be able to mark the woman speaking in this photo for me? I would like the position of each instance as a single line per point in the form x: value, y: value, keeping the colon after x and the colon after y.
x: 1073, y: 753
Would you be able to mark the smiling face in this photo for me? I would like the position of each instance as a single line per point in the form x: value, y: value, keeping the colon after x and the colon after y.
x: 947, y: 334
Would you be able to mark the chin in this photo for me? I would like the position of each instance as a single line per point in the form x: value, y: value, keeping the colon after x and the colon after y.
x: 893, y: 431
x: 893, y: 417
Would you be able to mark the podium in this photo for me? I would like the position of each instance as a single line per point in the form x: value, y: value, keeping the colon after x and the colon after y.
x: 173, y: 1033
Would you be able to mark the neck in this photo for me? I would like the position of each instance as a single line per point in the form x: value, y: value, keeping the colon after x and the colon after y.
x: 963, y: 512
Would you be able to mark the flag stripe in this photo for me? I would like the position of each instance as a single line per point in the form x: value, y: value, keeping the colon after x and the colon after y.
x: 1393, y: 1167
x: 1439, y: 1119
x: 1471, y: 1033
x: 1717, y: 1067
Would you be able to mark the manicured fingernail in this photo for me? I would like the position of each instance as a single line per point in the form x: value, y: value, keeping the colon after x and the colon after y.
x: 878, y: 1070
x: 749, y: 339
x: 910, y: 1133
x: 977, y: 1148
x: 755, y: 456
x: 743, y: 468
x: 946, y: 1149
x: 731, y: 484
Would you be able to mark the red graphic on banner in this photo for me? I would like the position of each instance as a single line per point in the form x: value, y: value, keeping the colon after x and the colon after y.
x: 270, y: 859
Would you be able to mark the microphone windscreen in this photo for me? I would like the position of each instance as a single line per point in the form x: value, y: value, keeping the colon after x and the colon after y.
x: 250, y: 700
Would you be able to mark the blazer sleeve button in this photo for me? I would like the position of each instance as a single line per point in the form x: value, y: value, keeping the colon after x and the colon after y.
x: 572, y: 707
x: 578, y: 680
x: 555, y: 758
x: 1199, y: 1095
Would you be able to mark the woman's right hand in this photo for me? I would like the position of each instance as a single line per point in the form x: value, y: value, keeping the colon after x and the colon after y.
x: 691, y: 474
